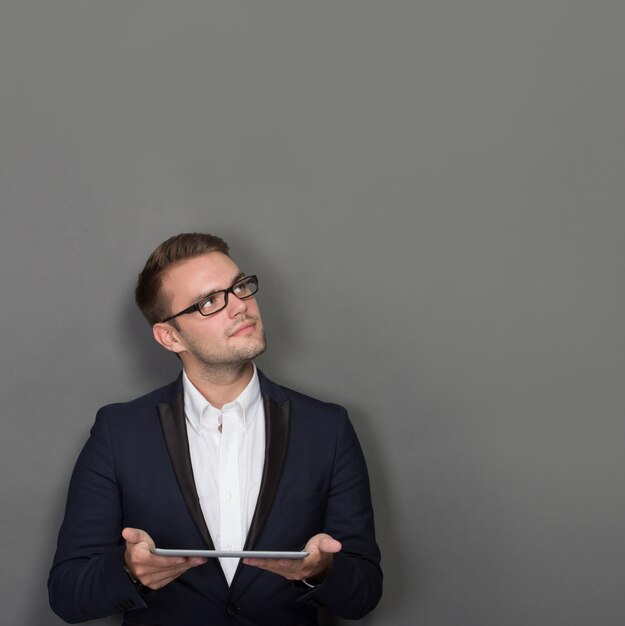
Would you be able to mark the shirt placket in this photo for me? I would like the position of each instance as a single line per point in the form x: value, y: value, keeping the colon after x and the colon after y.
x: 229, y: 489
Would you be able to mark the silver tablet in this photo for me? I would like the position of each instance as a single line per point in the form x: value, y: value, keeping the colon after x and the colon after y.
x: 240, y: 554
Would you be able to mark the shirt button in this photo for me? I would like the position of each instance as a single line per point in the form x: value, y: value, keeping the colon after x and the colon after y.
x: 228, y: 497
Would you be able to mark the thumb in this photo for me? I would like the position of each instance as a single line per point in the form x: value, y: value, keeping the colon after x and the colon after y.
x: 330, y: 545
x: 324, y: 543
x: 136, y: 535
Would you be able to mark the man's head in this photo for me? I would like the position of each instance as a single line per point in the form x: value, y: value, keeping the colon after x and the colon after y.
x: 184, y: 271
x: 148, y: 294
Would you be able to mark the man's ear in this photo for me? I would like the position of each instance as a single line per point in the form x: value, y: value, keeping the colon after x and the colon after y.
x: 166, y: 335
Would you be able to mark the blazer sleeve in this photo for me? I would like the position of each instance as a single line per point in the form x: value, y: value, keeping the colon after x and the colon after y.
x: 354, y: 585
x: 87, y: 579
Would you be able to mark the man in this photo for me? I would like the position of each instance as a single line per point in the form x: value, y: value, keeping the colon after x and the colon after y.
x: 224, y: 459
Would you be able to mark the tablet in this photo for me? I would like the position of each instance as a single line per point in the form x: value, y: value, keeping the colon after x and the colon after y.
x: 240, y: 554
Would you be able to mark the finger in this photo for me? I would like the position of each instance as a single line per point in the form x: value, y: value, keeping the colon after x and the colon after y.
x: 171, y: 573
x: 323, y: 543
x: 286, y: 570
x: 329, y: 545
x: 164, y: 577
x: 156, y: 582
x: 156, y: 563
x: 156, y: 577
x: 136, y: 535
x: 272, y: 564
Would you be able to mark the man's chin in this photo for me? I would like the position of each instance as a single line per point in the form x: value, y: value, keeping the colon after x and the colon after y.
x: 260, y: 348
x: 251, y: 351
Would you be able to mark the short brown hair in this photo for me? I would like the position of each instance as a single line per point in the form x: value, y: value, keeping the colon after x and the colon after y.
x: 177, y: 248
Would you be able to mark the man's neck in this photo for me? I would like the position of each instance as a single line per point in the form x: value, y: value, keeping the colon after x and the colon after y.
x: 221, y: 386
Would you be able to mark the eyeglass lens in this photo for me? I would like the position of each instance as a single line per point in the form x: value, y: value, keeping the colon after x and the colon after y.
x: 242, y: 289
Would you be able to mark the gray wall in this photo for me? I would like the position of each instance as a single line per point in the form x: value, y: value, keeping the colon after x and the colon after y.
x: 432, y: 195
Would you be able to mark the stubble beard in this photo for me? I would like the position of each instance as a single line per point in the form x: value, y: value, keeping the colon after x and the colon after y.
x: 227, y: 359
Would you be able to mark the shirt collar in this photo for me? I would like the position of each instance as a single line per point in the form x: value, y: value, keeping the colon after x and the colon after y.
x: 200, y: 413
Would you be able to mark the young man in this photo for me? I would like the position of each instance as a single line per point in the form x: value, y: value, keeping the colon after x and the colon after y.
x: 223, y: 459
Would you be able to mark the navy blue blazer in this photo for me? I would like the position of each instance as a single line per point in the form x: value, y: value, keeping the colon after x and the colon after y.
x: 135, y: 470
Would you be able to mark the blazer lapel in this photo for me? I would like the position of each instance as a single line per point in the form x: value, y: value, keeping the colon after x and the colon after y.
x: 277, y: 422
x: 175, y: 432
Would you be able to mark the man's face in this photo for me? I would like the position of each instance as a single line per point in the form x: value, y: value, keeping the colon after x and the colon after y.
x: 229, y: 338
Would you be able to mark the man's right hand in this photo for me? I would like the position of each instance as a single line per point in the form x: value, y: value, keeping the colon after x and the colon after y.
x: 149, y: 569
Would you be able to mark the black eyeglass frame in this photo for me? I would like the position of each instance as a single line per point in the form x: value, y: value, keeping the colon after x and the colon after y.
x: 198, y: 305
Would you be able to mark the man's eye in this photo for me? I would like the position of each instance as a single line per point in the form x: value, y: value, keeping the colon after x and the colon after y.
x: 240, y: 289
x: 208, y: 304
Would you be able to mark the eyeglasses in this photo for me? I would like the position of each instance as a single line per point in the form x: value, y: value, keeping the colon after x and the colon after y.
x: 243, y: 289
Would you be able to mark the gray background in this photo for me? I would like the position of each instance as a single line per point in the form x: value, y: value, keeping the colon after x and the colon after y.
x: 432, y: 195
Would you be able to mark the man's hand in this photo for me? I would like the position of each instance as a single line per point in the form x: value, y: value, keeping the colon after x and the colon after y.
x: 317, y: 564
x: 149, y: 569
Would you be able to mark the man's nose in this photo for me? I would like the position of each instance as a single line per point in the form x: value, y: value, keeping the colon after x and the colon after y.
x: 235, y: 306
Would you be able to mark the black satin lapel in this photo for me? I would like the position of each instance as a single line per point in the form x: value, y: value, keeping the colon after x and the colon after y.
x: 277, y: 422
x: 175, y: 431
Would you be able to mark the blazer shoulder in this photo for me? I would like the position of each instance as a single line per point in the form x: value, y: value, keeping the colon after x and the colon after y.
x: 301, y: 403
x: 299, y: 398
x: 145, y: 404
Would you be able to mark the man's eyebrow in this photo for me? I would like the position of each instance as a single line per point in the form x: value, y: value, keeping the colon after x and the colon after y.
x: 238, y: 277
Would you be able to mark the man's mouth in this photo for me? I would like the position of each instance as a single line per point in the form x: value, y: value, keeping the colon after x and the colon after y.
x: 247, y: 328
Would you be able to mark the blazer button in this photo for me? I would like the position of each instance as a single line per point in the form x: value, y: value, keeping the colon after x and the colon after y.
x: 231, y: 609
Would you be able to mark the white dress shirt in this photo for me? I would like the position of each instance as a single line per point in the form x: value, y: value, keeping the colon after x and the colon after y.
x: 227, y: 463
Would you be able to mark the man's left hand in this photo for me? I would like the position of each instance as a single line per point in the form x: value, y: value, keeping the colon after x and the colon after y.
x: 317, y: 564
